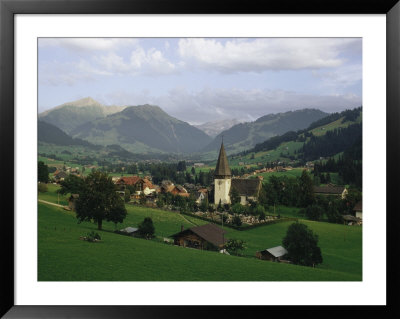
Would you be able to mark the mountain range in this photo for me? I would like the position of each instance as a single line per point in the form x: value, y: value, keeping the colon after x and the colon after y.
x: 246, y: 135
x: 215, y: 127
x: 145, y: 129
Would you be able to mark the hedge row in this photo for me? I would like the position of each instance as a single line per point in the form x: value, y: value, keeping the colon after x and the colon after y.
x: 280, y: 220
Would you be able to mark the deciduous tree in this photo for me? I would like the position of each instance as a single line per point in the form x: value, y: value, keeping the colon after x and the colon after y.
x: 98, y: 200
x: 302, y: 245
x: 43, y: 172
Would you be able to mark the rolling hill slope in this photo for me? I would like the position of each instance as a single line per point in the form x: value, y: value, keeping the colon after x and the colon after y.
x: 246, y: 135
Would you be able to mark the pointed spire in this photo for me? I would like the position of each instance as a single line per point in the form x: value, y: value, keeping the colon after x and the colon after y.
x: 222, y: 169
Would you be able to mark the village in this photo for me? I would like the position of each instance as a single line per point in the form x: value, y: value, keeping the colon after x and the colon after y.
x: 230, y: 201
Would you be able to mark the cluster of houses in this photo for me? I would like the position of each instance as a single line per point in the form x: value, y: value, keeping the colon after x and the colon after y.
x: 60, y: 174
x: 145, y: 188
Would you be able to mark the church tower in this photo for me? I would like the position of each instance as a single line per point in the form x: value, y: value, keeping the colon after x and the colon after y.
x: 222, y: 179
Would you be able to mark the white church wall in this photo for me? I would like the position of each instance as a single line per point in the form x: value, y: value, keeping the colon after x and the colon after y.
x: 222, y: 188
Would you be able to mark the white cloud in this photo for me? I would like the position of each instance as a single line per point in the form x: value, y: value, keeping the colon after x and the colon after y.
x: 141, y: 62
x: 243, y: 55
x: 150, y: 62
x: 247, y: 105
x: 341, y: 77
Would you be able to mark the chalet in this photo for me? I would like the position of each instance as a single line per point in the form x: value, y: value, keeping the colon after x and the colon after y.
x: 127, y: 181
x: 273, y: 254
x: 60, y: 176
x: 351, y: 220
x: 358, y: 209
x: 207, y: 237
x: 180, y: 190
x: 72, y: 200
x: 141, y: 185
x: 331, y: 190
x: 169, y: 187
x: 166, y: 186
x: 201, y: 195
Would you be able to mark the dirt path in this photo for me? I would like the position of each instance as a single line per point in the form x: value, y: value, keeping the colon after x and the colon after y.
x: 50, y: 203
x: 190, y: 222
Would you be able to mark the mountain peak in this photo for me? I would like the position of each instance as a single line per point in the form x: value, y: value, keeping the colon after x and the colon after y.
x: 83, y: 102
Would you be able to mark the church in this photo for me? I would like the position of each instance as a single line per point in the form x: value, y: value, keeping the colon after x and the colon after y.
x: 248, y: 189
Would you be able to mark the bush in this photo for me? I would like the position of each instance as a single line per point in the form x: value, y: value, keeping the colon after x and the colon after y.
x: 92, y: 236
x: 42, y: 188
x: 236, y: 220
x: 235, y: 246
x: 237, y: 209
x: 146, y: 228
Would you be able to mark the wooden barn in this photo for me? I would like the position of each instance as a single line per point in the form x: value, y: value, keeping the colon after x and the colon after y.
x: 207, y: 237
x: 273, y: 254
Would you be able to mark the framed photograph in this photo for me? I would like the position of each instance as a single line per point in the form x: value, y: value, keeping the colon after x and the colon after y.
x: 175, y: 154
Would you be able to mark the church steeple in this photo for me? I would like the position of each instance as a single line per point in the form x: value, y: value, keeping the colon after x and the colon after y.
x: 222, y: 169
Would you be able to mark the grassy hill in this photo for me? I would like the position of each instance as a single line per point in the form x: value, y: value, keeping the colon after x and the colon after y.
x: 246, y: 135
x: 285, y: 147
x: 63, y: 257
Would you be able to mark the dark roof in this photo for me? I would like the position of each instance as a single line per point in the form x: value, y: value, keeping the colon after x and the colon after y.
x: 329, y: 189
x: 61, y: 174
x: 209, y: 232
x: 350, y: 218
x: 246, y: 187
x: 222, y: 169
x: 358, y: 207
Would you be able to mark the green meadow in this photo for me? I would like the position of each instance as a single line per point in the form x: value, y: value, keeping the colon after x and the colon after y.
x: 63, y: 257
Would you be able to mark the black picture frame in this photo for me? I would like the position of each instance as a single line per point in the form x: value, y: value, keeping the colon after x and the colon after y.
x: 8, y: 8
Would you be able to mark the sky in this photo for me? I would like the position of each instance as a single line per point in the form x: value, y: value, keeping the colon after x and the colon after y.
x: 200, y: 80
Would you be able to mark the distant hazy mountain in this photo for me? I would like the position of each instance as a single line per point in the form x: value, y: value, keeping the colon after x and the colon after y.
x: 246, y: 135
x: 70, y: 115
x: 214, y: 128
x: 144, y: 128
x: 51, y: 134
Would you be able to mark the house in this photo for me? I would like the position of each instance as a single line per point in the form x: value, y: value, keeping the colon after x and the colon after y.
x: 223, y: 183
x: 180, y: 190
x: 166, y: 186
x: 60, y: 176
x: 141, y: 185
x: 127, y: 181
x: 169, y: 187
x: 201, y: 195
x: 351, y: 220
x: 207, y: 237
x: 273, y: 254
x: 72, y: 200
x: 331, y: 190
x: 358, y: 209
